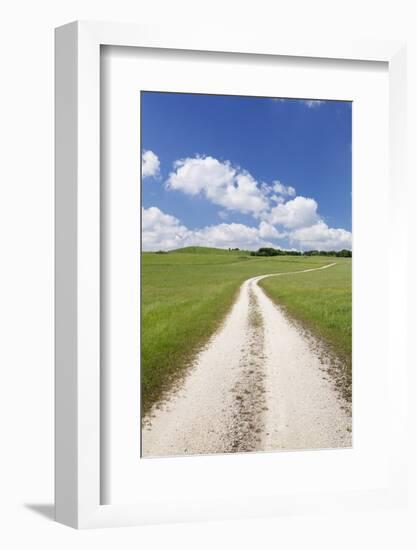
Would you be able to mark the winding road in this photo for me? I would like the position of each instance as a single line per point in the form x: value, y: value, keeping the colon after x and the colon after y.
x: 261, y: 384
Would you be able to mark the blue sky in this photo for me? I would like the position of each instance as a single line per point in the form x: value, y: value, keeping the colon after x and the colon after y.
x: 245, y: 171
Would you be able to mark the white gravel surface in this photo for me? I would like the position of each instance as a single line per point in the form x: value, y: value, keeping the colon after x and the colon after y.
x: 261, y: 384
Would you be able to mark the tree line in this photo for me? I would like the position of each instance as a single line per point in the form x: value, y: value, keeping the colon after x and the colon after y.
x: 265, y: 251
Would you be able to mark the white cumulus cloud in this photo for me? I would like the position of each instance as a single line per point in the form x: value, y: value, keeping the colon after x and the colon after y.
x: 281, y: 213
x: 228, y: 235
x: 162, y: 231
x: 282, y: 189
x: 297, y: 212
x: 268, y: 231
x: 321, y: 237
x: 150, y: 164
x: 313, y: 103
x: 220, y: 182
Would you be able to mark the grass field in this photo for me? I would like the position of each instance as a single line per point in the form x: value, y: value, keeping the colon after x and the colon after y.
x: 186, y: 294
x: 204, y: 250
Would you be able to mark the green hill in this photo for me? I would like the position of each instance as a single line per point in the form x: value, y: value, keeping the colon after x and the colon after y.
x: 207, y: 250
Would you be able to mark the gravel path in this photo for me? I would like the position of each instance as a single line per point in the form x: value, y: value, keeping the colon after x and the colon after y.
x: 261, y: 384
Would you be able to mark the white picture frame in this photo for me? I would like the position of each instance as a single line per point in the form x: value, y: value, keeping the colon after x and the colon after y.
x: 78, y: 404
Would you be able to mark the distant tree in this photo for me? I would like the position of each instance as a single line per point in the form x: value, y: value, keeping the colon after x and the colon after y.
x: 340, y: 254
x: 344, y: 253
x: 267, y: 251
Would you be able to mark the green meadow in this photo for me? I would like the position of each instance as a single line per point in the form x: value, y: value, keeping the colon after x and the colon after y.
x: 187, y: 293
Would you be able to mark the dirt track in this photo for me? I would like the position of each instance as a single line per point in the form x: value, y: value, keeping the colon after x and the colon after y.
x: 261, y: 384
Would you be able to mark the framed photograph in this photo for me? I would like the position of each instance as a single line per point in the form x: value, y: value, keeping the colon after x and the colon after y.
x: 259, y: 382
x: 227, y: 343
